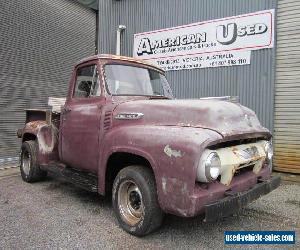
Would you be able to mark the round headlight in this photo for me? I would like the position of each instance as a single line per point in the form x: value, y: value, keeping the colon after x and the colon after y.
x: 269, y: 151
x: 209, y: 167
x: 212, y: 166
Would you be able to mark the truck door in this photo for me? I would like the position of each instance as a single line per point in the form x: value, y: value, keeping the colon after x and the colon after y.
x: 81, y: 120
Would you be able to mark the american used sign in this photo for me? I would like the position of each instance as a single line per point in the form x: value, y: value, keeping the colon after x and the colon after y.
x: 221, y: 42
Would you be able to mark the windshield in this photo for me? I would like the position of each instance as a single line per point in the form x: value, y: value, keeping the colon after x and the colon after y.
x: 130, y: 80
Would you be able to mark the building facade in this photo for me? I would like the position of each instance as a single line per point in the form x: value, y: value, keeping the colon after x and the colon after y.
x: 39, y: 44
x: 287, y: 88
x: 269, y: 84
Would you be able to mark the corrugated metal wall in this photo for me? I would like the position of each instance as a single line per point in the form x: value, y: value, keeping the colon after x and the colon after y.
x: 287, y: 88
x: 40, y: 41
x: 254, y: 83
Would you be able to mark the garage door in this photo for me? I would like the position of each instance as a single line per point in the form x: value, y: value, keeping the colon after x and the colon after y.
x: 287, y: 88
x: 39, y: 43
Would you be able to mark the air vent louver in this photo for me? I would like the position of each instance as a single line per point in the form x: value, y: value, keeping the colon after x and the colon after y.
x: 107, y: 120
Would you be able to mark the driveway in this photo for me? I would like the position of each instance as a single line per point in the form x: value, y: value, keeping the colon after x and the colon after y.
x: 54, y: 214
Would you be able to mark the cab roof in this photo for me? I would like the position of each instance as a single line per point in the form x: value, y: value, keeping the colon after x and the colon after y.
x: 120, y: 58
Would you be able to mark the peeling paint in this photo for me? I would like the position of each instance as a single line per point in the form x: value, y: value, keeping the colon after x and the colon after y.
x: 164, y: 185
x: 237, y: 157
x: 44, y: 146
x: 35, y: 125
x: 172, y: 152
x: 181, y: 212
x: 184, y: 189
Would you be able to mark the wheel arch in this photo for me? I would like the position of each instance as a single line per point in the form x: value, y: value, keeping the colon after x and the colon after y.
x: 120, y: 159
x: 28, y: 137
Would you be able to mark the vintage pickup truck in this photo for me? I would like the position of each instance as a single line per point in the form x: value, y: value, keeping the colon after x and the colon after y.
x: 121, y: 132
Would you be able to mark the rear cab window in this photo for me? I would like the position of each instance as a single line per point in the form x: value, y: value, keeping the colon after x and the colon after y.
x: 87, y: 82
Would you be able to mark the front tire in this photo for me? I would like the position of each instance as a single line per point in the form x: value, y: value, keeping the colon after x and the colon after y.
x: 135, y: 203
x: 30, y: 171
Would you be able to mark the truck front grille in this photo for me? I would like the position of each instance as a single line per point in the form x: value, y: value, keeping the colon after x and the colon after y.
x: 244, y: 170
x: 235, y: 143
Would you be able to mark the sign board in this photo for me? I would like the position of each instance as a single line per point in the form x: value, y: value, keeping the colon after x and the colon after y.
x: 221, y: 42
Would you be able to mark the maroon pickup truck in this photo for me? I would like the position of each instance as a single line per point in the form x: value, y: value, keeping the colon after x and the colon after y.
x: 121, y: 132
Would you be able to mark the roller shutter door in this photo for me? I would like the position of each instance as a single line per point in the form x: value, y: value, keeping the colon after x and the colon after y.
x: 40, y: 42
x: 287, y: 88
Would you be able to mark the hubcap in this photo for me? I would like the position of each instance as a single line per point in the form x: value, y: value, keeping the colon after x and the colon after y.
x: 26, y: 161
x: 130, y: 202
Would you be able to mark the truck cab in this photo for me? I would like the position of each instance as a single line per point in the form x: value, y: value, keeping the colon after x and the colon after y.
x: 121, y: 132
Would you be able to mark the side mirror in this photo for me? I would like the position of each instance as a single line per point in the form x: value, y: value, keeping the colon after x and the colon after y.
x: 85, y: 86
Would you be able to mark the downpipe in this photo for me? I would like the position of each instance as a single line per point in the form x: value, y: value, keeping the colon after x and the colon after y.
x: 120, y: 29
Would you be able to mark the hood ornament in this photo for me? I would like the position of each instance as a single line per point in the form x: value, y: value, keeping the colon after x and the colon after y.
x: 129, y: 116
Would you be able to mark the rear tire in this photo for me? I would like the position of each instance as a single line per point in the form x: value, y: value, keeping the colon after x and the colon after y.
x: 135, y: 202
x: 30, y: 171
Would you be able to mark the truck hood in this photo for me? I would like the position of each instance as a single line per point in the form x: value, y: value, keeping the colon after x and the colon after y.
x: 224, y: 117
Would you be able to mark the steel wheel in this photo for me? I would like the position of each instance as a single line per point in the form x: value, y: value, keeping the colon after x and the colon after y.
x: 135, y: 202
x: 130, y: 202
x: 30, y: 170
x: 26, y: 162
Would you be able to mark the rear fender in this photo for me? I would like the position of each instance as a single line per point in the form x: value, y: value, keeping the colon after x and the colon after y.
x: 47, y: 139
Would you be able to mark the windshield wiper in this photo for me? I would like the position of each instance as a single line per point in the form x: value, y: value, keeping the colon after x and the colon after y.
x: 158, y: 97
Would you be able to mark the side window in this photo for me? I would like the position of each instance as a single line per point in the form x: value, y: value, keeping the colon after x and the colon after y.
x: 87, y: 82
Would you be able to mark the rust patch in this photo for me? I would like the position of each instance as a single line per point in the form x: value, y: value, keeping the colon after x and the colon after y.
x: 47, y: 138
x: 172, y: 152
x: 35, y: 124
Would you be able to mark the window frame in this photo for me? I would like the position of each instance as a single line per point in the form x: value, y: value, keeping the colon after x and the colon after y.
x: 131, y: 65
x: 93, y: 63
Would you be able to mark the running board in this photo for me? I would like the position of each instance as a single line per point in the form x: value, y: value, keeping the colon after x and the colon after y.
x: 79, y: 178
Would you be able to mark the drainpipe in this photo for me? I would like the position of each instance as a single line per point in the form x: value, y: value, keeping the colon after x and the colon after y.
x: 97, y: 33
x: 120, y: 29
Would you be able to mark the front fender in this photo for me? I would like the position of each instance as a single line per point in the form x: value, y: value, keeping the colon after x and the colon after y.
x: 173, y: 153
